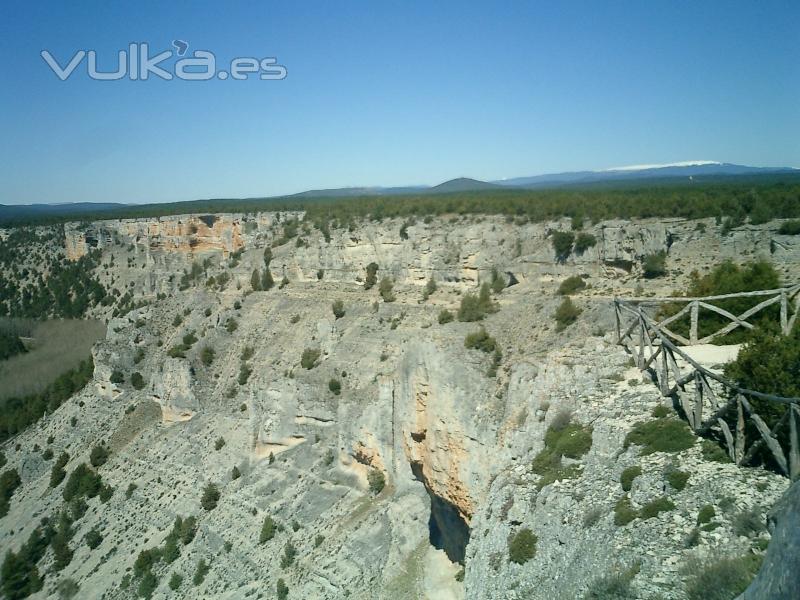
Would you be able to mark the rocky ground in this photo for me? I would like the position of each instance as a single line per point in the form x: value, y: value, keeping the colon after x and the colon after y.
x: 414, y: 405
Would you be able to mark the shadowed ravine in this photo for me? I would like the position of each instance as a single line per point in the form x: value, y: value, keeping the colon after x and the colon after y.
x: 448, y: 530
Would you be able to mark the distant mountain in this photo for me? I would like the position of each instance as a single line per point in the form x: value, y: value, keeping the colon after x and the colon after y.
x: 681, y: 173
x: 462, y: 184
x: 701, y: 168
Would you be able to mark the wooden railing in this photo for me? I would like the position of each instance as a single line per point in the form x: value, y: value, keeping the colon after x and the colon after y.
x: 711, y: 401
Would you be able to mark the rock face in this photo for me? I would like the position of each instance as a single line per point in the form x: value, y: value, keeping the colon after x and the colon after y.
x: 392, y: 392
x: 778, y: 578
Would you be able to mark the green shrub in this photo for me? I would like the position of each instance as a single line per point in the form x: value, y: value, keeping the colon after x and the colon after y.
x: 660, y: 411
x: 129, y: 492
x: 653, y: 508
x: 480, y: 340
x: 200, y: 572
x: 583, y: 242
x: 713, y: 452
x: 244, y: 373
x: 721, y: 579
x: 571, y: 285
x: 566, y: 314
x: 562, y: 244
x: 562, y: 439
x: 99, y: 455
x: 93, y: 538
x: 445, y: 316
x: 207, y: 355
x: 57, y: 473
x: 210, y: 497
x: 147, y: 585
x: 338, y: 309
x: 175, y: 581
x: 137, y: 381
x: 728, y: 278
x: 749, y: 522
x: 476, y: 307
x: 677, y: 479
x: 627, y: 477
x: 705, y: 514
x: 790, y: 227
x: 769, y: 362
x: 522, y: 546
x: 430, y: 288
x: 235, y: 473
x: 335, y: 386
x: 653, y: 265
x: 385, y: 289
x: 281, y: 590
x: 309, y: 358
x: 9, y: 482
x: 268, y: 529
x: 67, y: 588
x: 82, y: 482
x: 661, y: 435
x: 624, y: 513
x: 376, y: 480
x: 498, y: 283
x: 117, y: 377
x: 289, y: 554
x: 219, y: 444
x: 372, y: 276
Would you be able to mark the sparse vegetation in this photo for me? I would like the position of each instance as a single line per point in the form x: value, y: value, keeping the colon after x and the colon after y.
x: 721, y: 579
x: 563, y: 438
x: 614, y: 586
x: 445, y: 316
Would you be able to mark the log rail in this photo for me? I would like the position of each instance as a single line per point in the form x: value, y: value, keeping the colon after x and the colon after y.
x: 708, y: 400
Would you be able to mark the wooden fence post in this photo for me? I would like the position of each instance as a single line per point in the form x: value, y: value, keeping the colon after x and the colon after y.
x: 694, y: 315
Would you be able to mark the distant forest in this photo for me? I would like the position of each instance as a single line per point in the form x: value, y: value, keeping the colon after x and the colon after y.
x: 758, y: 199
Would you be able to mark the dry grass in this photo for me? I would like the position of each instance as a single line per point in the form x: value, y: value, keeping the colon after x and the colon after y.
x: 54, y: 347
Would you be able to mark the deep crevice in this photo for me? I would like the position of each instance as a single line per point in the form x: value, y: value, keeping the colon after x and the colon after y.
x: 447, y: 529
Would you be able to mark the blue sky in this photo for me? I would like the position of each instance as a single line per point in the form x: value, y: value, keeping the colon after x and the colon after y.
x: 391, y: 93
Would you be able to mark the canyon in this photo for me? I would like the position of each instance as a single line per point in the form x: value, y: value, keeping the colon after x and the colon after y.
x: 451, y: 435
